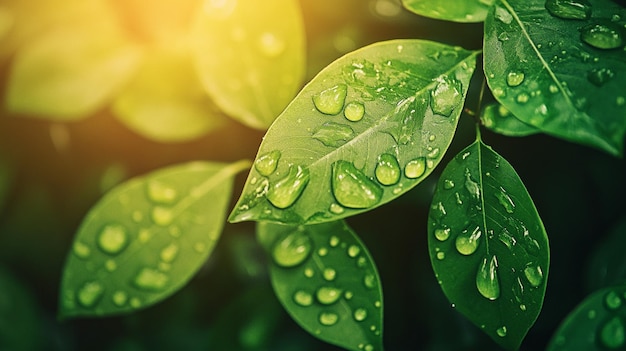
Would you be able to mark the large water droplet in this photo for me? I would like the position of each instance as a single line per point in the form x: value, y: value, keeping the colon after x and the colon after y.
x: 161, y: 193
x: 612, y: 300
x: 328, y: 295
x: 328, y: 318
x: 534, y: 275
x: 334, y: 134
x: 471, y: 186
x: 168, y: 254
x: 162, y: 216
x: 613, y: 334
x: 353, y: 251
x: 359, y: 314
x: 287, y: 190
x: 514, y: 79
x: 334, y: 241
x: 331, y: 100
x: 446, y: 96
x: 292, y: 250
x: 569, y: 9
x: 271, y: 45
x: 603, y: 36
x: 505, y: 200
x: 415, y: 168
x: 89, y: 294
x: 442, y: 234
x: 387, y: 170
x: 466, y: 243
x: 352, y: 188
x: 487, y: 281
x: 599, y: 76
x: 266, y: 164
x: 112, y: 239
x: 303, y: 298
x: 151, y: 279
x: 354, y: 111
x: 503, y: 15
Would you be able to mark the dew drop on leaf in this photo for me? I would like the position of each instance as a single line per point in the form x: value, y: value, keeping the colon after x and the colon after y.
x: 448, y: 184
x: 466, y: 243
x: 487, y: 281
x: 505, y: 237
x: 353, y: 251
x: 612, y: 300
x: 505, y: 200
x: 569, y: 9
x: 162, y: 216
x: 81, y: 250
x: 303, y: 298
x: 168, y: 254
x: 329, y: 274
x: 328, y: 295
x: 603, y: 36
x: 613, y: 333
x: 112, y: 239
x: 352, y: 188
x: 354, y: 111
x: 534, y: 275
x: 292, y: 250
x: 503, y: 15
x: 415, y: 168
x: 522, y: 98
x: 266, y: 164
x: 160, y: 193
x: 359, y: 314
x: 331, y: 100
x: 328, y: 318
x: 501, y: 331
x: 387, y: 170
x: 89, y: 294
x: 471, y: 186
x: 369, y: 281
x: 287, y: 190
x: 515, y: 78
x: 334, y: 241
x: 442, y: 234
x: 446, y: 96
x: 119, y: 298
x: 599, y: 76
x: 151, y: 279
x: 334, y: 134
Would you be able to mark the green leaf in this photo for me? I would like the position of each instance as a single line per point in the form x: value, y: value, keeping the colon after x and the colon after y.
x: 597, y: 323
x: 487, y: 244
x: 545, y: 71
x: 400, y: 103
x: 250, y: 58
x: 607, y: 263
x: 146, y: 238
x: 165, y: 101
x: 499, y: 119
x: 327, y: 281
x: 451, y: 10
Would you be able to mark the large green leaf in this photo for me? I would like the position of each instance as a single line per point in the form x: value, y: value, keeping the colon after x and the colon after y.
x: 597, y: 323
x: 499, y: 119
x: 327, y: 281
x: 365, y: 130
x: 146, y: 238
x: 451, y: 10
x: 487, y: 244
x: 562, y: 74
x: 250, y: 57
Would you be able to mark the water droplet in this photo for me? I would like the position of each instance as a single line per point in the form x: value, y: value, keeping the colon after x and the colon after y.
x: 110, y: 265
x: 446, y: 96
x: 534, y: 275
x: 199, y: 247
x: 112, y: 239
x: 442, y: 234
x: 322, y: 252
x: 292, y: 250
x: 303, y: 298
x: 287, y: 190
x: 271, y: 45
x: 168, y: 254
x: 361, y: 262
x: 487, y: 281
x: 161, y: 193
x: 336, y: 209
x: 354, y: 111
x: 505, y: 200
x: 471, y: 186
x: 503, y: 15
x: 569, y: 9
x: 329, y: 274
x: 89, y: 294
x: 448, y: 184
x: 334, y: 241
x: 353, y: 251
x: 415, y: 168
x: 612, y: 300
x: 466, y: 243
x: 369, y: 281
x: 522, y: 98
x: 328, y: 318
x: 359, y: 314
x: 309, y: 273
x: 162, y: 216
x: 151, y: 280
x: 553, y: 89
x: 352, y: 188
x: 348, y: 295
x: 514, y: 79
x: 612, y: 334
x: 328, y: 295
x: 81, y: 250
x: 266, y: 164
x: 331, y: 100
x: 501, y: 331
x: 368, y: 347
x: 599, y: 76
x: 333, y: 134
x: 119, y: 298
x: 441, y: 255
x: 387, y: 170
x: 506, y: 238
x: 603, y: 36
x: 499, y: 92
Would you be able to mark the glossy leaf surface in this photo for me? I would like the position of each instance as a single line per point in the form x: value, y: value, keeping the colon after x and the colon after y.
x: 365, y: 130
x: 597, y: 323
x: 487, y: 244
x: 450, y: 10
x: 250, y: 58
x: 327, y: 281
x: 561, y: 75
x: 499, y: 119
x: 146, y: 238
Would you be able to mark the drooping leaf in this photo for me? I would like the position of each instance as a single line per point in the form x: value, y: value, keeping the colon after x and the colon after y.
x: 365, y: 130
x: 146, y: 238
x: 561, y: 72
x: 487, y: 244
x: 165, y: 101
x: 597, y: 323
x: 327, y: 281
x: 71, y: 71
x: 250, y: 58
x: 607, y: 263
x: 499, y: 119
x: 451, y: 10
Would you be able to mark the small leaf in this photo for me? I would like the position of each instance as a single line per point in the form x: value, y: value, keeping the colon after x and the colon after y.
x: 327, y: 281
x: 165, y: 101
x: 451, y: 10
x: 250, y: 58
x: 366, y: 129
x: 488, y: 246
x: 547, y: 71
x: 146, y: 238
x: 597, y: 323
x: 499, y: 119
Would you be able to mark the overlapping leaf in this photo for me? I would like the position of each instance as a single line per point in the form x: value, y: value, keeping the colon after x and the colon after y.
x: 451, y: 10
x: 327, y: 281
x: 146, y: 238
x: 499, y: 119
x: 488, y: 246
x: 365, y: 130
x: 561, y: 70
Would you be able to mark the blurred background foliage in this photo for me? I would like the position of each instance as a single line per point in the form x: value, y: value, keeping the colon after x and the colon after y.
x: 56, y: 162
